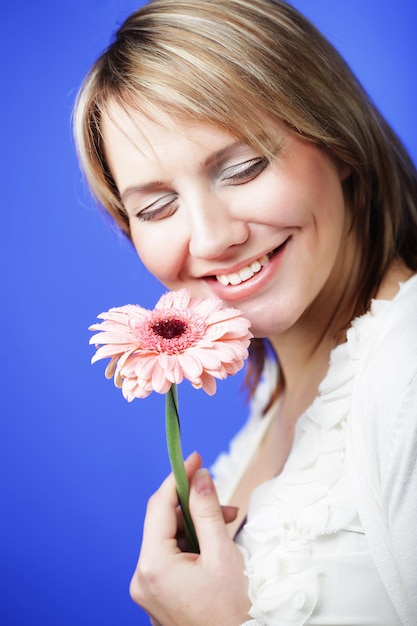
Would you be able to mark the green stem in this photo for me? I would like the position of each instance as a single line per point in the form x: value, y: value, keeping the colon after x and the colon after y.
x: 177, y: 464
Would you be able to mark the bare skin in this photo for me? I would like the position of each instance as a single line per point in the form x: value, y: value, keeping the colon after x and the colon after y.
x: 177, y: 588
x: 276, y: 444
x: 229, y: 209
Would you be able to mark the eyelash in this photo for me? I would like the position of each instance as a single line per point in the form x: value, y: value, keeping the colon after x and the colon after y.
x: 233, y: 176
x: 149, y: 214
x: 245, y: 172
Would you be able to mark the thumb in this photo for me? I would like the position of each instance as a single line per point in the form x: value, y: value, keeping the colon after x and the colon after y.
x: 206, y: 512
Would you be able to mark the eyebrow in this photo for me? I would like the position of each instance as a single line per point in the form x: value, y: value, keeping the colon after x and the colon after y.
x: 210, y: 160
x: 131, y: 189
x: 224, y: 152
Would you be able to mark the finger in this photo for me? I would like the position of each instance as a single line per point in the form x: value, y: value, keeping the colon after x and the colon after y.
x: 192, y: 463
x: 161, y: 524
x: 207, y: 514
x: 230, y: 513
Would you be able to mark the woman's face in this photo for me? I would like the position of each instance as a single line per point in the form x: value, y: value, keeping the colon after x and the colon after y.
x: 212, y: 214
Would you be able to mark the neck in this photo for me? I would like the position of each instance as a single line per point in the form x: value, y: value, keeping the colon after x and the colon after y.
x: 303, y: 350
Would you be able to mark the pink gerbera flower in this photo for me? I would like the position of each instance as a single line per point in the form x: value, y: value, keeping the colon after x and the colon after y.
x: 183, y: 337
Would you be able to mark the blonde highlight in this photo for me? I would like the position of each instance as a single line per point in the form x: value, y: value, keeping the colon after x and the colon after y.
x: 232, y: 63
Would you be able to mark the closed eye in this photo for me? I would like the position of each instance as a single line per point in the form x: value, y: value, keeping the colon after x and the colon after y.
x: 158, y: 210
x: 244, y: 172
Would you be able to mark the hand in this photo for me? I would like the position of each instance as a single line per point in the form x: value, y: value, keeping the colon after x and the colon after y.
x: 183, y: 589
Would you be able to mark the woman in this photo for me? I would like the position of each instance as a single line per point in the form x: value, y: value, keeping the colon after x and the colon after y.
x: 233, y: 146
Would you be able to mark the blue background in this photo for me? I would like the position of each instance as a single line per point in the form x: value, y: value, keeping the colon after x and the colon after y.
x: 77, y: 462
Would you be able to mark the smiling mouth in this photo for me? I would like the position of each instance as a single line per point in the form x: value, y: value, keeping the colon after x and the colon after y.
x: 236, y: 278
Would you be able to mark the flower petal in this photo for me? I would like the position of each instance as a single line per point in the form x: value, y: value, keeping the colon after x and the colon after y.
x: 183, y: 337
x: 174, y: 300
x: 191, y: 366
x: 208, y: 384
x: 171, y: 367
x: 160, y: 382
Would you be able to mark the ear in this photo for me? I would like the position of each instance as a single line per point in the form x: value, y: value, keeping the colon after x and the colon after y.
x: 344, y: 170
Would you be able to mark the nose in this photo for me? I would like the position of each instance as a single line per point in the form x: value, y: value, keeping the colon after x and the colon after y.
x: 214, y: 229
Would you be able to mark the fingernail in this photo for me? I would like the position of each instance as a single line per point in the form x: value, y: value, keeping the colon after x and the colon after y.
x: 203, y: 483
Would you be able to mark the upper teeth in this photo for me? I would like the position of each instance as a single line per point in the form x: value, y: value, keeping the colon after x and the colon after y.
x: 244, y: 274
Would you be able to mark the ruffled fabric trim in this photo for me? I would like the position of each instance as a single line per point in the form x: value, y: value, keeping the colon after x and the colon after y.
x: 311, y: 497
x: 362, y: 328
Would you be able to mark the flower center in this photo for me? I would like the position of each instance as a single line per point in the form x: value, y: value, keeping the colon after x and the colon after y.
x: 170, y: 332
x: 169, y: 328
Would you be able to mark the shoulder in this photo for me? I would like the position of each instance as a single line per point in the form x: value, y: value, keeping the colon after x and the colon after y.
x: 384, y: 392
x: 387, y: 348
x: 382, y: 440
x: 398, y: 327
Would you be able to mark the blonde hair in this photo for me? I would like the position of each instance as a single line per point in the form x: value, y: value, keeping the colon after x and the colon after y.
x: 233, y: 62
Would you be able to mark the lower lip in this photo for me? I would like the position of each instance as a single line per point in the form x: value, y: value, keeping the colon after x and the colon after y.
x: 251, y: 286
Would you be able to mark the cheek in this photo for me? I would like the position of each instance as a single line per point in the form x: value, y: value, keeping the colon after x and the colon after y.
x: 158, y: 250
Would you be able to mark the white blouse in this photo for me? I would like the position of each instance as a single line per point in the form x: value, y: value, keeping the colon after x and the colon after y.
x: 306, y: 554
